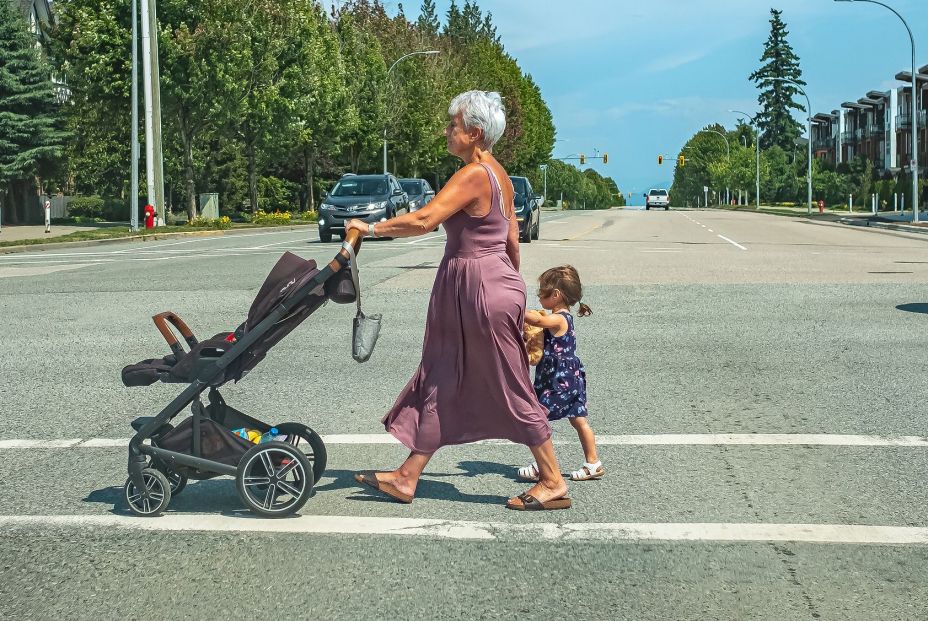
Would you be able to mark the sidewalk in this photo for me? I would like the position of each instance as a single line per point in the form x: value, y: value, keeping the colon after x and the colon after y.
x: 21, y: 232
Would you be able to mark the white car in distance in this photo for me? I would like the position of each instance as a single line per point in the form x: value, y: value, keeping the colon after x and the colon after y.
x: 657, y: 198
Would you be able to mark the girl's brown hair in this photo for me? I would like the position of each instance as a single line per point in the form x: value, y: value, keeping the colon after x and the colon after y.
x: 566, y: 280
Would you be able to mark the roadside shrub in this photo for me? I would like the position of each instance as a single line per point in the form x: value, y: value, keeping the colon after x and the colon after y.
x: 276, y: 194
x: 277, y: 217
x: 86, y: 207
x: 221, y: 223
x: 309, y: 216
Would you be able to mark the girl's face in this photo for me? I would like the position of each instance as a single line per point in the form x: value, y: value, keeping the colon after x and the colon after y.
x: 549, y: 298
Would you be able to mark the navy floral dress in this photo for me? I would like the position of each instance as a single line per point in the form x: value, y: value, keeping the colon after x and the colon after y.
x: 560, y: 379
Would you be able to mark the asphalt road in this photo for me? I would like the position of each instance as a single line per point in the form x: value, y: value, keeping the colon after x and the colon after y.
x: 757, y: 384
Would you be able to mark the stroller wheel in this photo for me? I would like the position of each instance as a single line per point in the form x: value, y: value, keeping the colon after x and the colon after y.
x: 274, y: 479
x: 152, y: 500
x: 308, y: 441
x: 177, y: 480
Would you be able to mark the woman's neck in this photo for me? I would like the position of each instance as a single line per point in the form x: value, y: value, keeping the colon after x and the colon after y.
x: 477, y: 156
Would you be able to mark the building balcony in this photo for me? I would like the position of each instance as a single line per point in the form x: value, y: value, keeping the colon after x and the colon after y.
x: 849, y: 137
x: 823, y: 144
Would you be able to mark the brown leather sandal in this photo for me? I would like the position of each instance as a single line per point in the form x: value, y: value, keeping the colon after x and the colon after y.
x: 369, y: 478
x: 530, y: 503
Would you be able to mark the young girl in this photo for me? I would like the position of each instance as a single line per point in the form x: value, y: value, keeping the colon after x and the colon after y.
x: 560, y: 380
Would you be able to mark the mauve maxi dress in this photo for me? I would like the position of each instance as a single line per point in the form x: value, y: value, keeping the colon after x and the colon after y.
x: 473, y: 382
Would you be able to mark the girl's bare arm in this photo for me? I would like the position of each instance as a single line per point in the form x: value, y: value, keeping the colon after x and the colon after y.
x: 554, y: 322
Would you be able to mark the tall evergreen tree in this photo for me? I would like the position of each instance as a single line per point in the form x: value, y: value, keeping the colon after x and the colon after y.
x: 775, y: 120
x: 31, y: 135
x: 428, y: 18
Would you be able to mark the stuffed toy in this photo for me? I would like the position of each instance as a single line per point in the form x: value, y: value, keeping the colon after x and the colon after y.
x: 534, y: 342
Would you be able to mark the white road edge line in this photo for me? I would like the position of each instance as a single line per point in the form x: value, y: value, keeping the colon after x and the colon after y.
x: 493, y: 531
x: 733, y: 242
x: 665, y: 439
x: 422, y: 239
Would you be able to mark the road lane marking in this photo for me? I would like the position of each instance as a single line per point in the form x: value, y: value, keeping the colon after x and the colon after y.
x: 855, y: 534
x: 733, y: 242
x: 662, y: 439
x: 583, y: 233
x: 422, y: 239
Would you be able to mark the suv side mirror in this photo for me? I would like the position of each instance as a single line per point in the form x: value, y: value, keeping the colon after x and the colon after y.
x: 397, y: 192
x: 430, y: 192
x: 325, y: 194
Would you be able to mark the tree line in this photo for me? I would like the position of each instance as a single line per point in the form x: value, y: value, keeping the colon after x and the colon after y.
x: 783, y: 157
x: 267, y: 102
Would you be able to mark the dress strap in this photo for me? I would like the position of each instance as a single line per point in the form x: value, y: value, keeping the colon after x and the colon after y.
x: 498, y: 194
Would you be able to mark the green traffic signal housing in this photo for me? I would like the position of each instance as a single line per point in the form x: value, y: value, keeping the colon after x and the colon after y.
x: 660, y: 160
x: 605, y: 158
x: 582, y: 159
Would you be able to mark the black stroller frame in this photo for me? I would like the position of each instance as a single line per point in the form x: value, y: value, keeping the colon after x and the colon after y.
x: 274, y: 478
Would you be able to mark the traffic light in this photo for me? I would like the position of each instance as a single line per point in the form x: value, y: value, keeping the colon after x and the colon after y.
x: 582, y: 159
x: 605, y: 158
x: 681, y: 161
x: 660, y: 159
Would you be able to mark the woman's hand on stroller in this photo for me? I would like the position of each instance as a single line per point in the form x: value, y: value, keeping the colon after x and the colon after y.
x: 357, y: 225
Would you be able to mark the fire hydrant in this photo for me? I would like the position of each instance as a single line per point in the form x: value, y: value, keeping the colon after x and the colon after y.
x: 821, y: 206
x: 149, y: 217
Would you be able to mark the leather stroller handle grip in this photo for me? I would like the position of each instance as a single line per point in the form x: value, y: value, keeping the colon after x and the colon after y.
x: 353, y: 238
x: 161, y: 322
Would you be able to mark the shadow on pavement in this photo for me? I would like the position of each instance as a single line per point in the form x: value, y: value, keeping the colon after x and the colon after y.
x: 914, y: 307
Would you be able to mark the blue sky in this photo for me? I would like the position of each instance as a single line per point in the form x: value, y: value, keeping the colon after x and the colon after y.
x: 635, y: 78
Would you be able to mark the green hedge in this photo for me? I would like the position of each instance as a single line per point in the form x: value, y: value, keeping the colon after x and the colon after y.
x: 99, y: 208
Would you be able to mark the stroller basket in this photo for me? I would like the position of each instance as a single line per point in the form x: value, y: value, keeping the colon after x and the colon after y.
x: 273, y: 478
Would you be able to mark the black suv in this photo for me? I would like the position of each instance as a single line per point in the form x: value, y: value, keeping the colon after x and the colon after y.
x: 419, y: 192
x: 371, y: 198
x: 528, y: 209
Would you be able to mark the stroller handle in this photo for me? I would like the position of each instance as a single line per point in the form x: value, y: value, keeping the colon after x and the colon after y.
x: 161, y: 321
x: 354, y: 238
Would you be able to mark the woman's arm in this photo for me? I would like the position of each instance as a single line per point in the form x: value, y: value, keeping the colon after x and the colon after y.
x: 512, y: 241
x: 461, y: 191
x: 554, y: 322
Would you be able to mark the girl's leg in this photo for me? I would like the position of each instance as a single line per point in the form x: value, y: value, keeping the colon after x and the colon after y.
x: 587, y: 438
x: 551, y: 484
x: 406, y: 477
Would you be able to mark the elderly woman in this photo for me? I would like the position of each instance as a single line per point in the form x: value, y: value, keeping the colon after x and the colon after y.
x: 473, y: 382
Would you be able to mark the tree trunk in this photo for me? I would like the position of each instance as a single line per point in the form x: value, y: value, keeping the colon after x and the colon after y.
x: 186, y: 137
x: 309, y: 165
x: 252, y: 176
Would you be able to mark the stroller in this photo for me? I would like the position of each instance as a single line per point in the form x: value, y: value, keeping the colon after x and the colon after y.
x: 274, y: 478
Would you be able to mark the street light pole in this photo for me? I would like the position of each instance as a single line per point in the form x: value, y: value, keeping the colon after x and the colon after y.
x: 544, y: 168
x: 419, y: 53
x: 756, y: 156
x: 134, y: 191
x: 808, y: 136
x: 915, y: 109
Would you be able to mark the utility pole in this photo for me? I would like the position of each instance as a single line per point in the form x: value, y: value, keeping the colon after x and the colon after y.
x: 134, y: 191
x: 153, y: 164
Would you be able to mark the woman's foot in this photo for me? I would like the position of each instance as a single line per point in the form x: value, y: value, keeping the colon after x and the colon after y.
x: 588, y: 472
x: 542, y: 495
x: 392, y: 484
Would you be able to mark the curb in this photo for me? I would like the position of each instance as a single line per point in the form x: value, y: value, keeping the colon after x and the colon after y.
x: 901, y: 228
x: 144, y: 238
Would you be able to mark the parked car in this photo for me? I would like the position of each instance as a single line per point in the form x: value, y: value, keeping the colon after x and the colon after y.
x: 419, y: 192
x: 657, y: 198
x: 371, y: 198
x: 528, y: 209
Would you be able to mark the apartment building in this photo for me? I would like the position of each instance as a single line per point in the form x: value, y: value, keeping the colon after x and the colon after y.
x: 877, y: 126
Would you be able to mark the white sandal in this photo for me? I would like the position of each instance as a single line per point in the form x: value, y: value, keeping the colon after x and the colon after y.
x: 529, y: 472
x: 588, y: 472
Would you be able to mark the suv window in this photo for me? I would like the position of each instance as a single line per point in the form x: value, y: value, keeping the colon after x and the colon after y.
x: 658, y: 192
x: 412, y: 187
x: 361, y: 186
x: 521, y: 186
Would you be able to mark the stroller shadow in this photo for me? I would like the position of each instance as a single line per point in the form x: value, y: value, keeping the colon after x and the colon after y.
x: 220, y: 495
x: 914, y: 307
x: 217, y: 495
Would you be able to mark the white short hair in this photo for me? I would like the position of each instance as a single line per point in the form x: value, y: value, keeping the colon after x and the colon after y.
x: 483, y: 110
